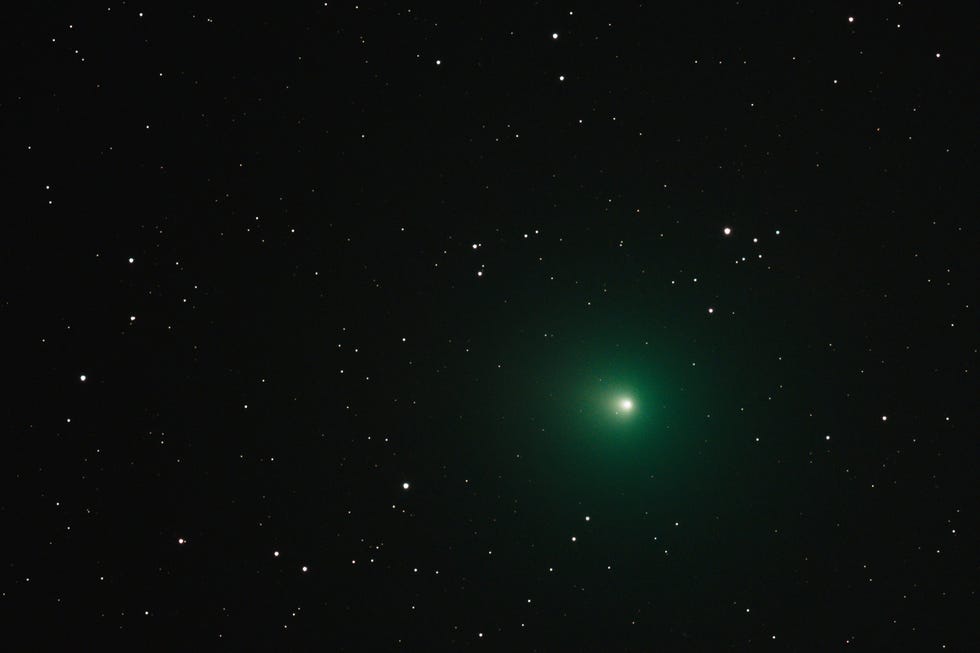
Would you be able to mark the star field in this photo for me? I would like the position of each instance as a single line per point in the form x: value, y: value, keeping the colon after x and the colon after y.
x: 586, y: 327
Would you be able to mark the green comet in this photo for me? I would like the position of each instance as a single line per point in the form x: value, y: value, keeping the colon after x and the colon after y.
x: 624, y: 406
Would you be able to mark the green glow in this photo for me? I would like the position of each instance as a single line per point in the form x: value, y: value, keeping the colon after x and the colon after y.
x: 624, y: 406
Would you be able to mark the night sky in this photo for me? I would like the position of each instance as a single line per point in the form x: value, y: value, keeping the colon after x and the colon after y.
x: 487, y: 326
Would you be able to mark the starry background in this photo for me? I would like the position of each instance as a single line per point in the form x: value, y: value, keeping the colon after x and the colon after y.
x: 315, y: 315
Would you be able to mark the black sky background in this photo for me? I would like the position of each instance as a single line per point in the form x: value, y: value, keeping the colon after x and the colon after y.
x: 145, y: 502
